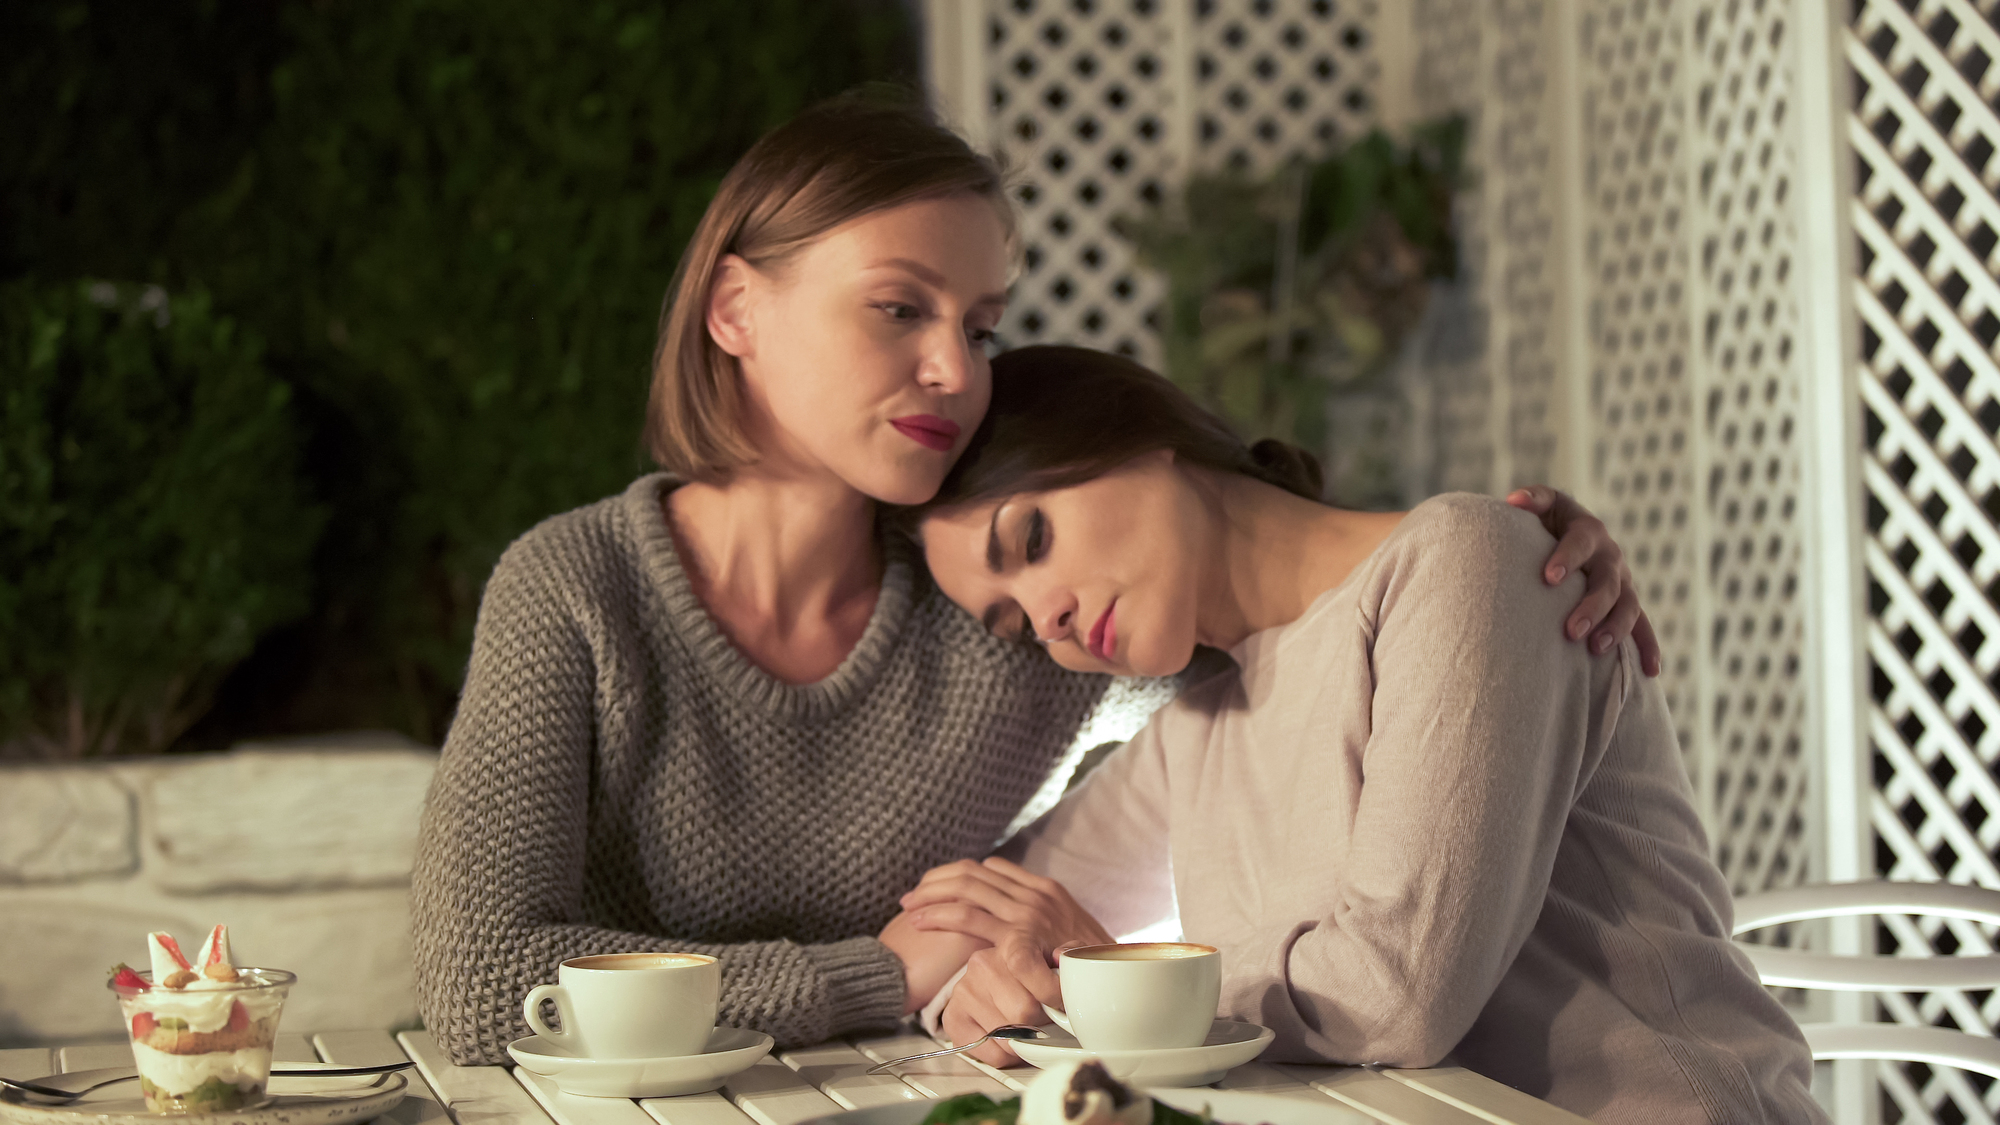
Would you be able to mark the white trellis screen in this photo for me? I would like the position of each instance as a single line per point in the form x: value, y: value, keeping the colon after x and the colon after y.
x: 1730, y: 276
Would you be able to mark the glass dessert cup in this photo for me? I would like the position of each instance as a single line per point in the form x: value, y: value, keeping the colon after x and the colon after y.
x: 204, y: 1049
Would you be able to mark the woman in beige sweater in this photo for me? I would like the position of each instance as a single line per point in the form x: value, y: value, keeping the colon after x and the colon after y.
x: 1415, y: 821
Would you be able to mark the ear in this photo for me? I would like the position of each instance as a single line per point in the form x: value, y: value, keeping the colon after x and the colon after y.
x: 730, y: 323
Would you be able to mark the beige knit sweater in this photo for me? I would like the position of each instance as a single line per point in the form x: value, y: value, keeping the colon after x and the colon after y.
x: 1420, y: 823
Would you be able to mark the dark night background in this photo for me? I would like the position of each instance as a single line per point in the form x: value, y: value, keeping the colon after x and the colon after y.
x: 430, y: 240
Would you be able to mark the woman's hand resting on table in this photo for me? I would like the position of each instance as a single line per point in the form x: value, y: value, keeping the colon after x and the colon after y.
x: 1610, y: 601
x: 1026, y: 921
x: 930, y: 957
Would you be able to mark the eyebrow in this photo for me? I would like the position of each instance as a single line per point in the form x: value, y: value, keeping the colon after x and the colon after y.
x: 932, y: 278
x: 993, y: 541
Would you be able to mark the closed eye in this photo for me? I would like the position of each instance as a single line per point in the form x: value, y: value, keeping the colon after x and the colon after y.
x: 1035, y: 545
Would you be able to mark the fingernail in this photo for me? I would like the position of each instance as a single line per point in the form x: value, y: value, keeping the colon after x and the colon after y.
x: 1577, y: 629
x: 1600, y: 645
x: 1556, y: 573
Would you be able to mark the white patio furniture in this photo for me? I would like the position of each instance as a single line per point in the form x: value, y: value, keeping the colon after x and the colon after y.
x: 1795, y: 968
x: 795, y: 1086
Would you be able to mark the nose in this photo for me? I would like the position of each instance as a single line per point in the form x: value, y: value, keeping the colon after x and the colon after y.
x: 950, y: 363
x: 1054, y: 615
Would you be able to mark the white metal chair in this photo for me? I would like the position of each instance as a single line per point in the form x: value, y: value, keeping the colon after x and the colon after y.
x: 1793, y: 968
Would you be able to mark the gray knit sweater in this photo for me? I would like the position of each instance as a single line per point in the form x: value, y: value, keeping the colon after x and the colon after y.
x: 619, y: 778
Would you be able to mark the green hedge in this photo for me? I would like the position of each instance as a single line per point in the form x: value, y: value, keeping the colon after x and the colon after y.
x: 453, y: 222
x: 152, y: 519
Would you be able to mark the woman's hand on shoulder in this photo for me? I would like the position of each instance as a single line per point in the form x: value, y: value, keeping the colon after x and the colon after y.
x: 1610, y: 600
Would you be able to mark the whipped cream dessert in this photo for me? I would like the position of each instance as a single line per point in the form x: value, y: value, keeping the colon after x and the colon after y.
x: 201, y: 1031
x: 1082, y: 1093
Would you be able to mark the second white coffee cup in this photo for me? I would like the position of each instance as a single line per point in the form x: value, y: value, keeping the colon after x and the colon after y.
x: 1139, y: 996
x: 630, y: 1005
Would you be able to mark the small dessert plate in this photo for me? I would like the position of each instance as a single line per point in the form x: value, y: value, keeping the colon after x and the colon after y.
x: 730, y: 1050
x: 1229, y: 1044
x: 288, y: 1101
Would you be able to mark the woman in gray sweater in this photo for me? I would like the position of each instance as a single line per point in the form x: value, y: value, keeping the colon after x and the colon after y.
x: 1415, y: 822
x: 723, y: 712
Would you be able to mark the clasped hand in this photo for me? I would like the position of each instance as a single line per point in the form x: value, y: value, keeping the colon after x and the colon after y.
x: 1025, y: 920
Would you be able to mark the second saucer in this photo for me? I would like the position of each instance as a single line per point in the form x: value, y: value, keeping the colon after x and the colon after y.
x: 730, y: 1050
x: 1229, y: 1044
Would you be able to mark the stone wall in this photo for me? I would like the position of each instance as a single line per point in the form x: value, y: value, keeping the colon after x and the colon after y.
x: 302, y: 848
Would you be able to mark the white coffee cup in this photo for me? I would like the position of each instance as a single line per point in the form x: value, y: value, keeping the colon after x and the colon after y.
x: 630, y: 1005
x: 1139, y: 997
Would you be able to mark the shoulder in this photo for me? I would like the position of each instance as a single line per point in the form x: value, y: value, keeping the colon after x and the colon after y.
x: 1475, y: 553
x: 1467, y: 519
x: 583, y: 551
x: 1460, y: 537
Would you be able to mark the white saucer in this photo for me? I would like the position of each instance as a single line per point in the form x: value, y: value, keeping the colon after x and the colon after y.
x: 289, y: 1101
x: 729, y: 1050
x: 1229, y: 1044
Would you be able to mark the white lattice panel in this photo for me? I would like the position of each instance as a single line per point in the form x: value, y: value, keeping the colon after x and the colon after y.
x: 1103, y: 106
x: 1925, y: 215
x: 1278, y: 78
x: 1518, y: 143
x: 1082, y: 108
x: 1745, y: 232
x: 1635, y: 188
x: 1453, y: 376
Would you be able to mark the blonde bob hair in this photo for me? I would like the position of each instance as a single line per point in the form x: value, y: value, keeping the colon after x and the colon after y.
x: 834, y: 162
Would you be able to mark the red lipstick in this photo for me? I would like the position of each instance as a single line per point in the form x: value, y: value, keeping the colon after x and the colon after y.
x: 927, y: 430
x: 1104, y: 634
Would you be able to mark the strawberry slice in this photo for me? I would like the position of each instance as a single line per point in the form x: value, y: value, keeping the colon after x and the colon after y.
x: 143, y: 1025
x: 238, y: 1018
x: 124, y: 977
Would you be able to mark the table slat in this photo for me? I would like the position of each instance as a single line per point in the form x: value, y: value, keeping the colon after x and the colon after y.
x: 945, y: 1077
x: 1014, y: 1078
x: 28, y: 1063
x: 293, y: 1046
x: 486, y: 1094
x: 840, y: 1072
x: 359, y: 1048
x: 420, y: 1104
x: 695, y: 1109
x: 575, y: 1109
x: 774, y: 1094
x: 1485, y: 1098
x: 96, y: 1056
x: 1382, y: 1097
x: 1263, y: 1078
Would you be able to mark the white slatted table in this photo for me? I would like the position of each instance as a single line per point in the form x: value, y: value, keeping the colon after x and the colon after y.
x: 790, y: 1087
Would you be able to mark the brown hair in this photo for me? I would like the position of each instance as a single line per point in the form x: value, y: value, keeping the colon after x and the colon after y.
x: 1062, y: 416
x: 834, y: 162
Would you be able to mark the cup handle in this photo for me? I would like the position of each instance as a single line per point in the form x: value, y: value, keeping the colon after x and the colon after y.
x: 531, y: 1010
x: 1061, y: 1020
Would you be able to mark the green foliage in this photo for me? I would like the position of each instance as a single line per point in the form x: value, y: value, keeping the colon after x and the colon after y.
x: 1282, y: 290
x: 152, y: 519
x: 452, y: 221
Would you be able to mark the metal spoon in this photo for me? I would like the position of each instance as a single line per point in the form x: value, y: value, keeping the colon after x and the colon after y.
x: 1004, y: 1031
x: 65, y: 1097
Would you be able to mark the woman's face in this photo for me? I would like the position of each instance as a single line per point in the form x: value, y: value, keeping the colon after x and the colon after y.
x: 1105, y: 573
x: 865, y: 352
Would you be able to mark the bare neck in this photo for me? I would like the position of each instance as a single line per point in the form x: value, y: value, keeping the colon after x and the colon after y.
x: 787, y: 566
x: 1273, y: 553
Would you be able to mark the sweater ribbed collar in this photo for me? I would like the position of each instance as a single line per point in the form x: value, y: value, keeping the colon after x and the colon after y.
x: 723, y: 662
